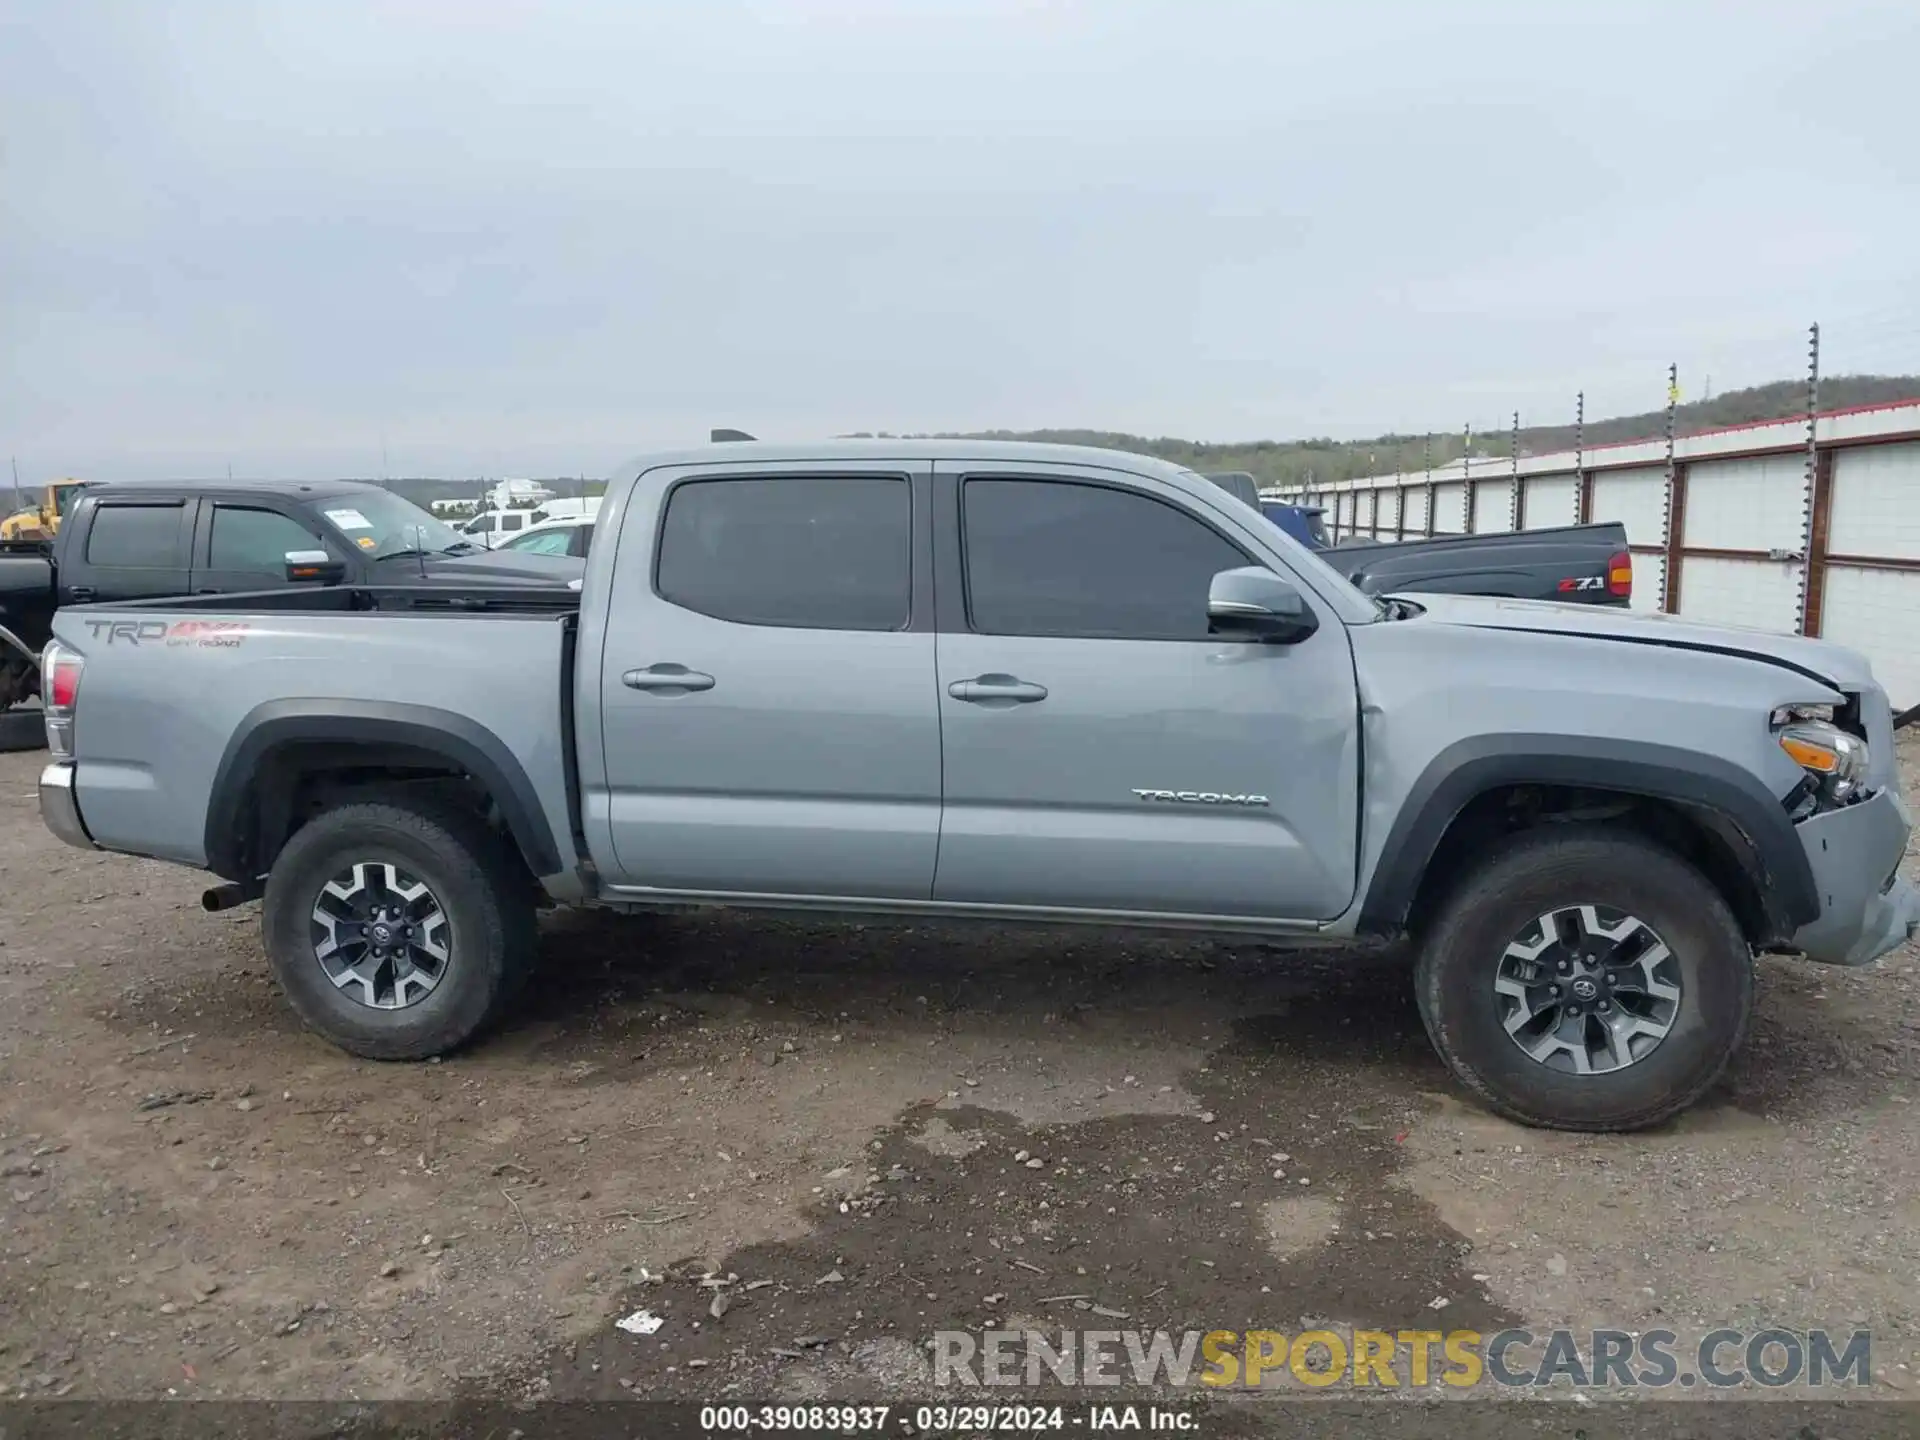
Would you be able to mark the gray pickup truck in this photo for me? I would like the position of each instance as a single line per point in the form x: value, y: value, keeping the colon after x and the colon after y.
x: 1006, y: 682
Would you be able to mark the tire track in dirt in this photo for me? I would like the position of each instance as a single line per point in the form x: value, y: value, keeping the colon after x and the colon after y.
x: 1275, y: 1207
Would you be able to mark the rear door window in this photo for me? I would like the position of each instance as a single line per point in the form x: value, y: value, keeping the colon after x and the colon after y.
x: 132, y: 536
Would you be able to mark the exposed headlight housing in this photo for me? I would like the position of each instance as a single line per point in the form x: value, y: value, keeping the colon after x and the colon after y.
x: 1835, y: 760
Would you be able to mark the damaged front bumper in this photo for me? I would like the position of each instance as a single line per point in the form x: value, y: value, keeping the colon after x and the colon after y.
x: 1866, y: 908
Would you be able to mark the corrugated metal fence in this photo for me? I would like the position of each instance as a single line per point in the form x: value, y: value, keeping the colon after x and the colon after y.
x: 1741, y: 534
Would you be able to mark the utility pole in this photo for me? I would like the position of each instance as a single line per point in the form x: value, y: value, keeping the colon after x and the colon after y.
x: 1674, y: 521
x: 1582, y: 504
x: 1812, y: 478
x: 1427, y: 455
x: 1516, y: 505
x: 1466, y: 480
x: 1673, y: 403
x: 19, y: 495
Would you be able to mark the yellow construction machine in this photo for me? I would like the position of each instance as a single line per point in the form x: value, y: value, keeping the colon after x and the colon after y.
x: 42, y: 522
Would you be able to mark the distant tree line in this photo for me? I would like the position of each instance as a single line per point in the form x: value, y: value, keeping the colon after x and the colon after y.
x: 1297, y: 461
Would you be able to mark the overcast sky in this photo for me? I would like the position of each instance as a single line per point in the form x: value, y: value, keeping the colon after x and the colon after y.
x: 500, y: 236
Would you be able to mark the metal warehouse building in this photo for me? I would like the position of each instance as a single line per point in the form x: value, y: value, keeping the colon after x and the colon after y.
x: 1753, y: 527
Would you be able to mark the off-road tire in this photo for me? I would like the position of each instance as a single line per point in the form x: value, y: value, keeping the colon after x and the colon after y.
x: 1461, y: 951
x: 481, y: 885
x: 22, y: 730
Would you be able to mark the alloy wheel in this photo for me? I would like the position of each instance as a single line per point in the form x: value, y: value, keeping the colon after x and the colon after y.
x: 1587, y: 989
x: 381, y: 935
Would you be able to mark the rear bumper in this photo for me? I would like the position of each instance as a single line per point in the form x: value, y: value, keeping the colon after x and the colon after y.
x: 60, y: 807
x: 1866, y: 909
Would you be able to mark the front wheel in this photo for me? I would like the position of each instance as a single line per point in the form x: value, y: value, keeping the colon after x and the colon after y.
x: 398, y: 931
x: 1585, y: 980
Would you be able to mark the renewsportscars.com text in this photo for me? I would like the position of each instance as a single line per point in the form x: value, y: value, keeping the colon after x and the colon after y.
x: 1771, y: 1358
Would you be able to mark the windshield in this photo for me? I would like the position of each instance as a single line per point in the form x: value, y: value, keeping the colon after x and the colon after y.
x: 380, y: 524
x: 557, y: 540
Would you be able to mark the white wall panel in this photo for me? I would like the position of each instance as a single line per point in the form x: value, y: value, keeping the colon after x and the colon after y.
x: 1760, y: 594
x: 1877, y: 612
x: 1637, y: 499
x: 1649, y: 575
x: 1551, y: 500
x: 1387, y: 516
x: 1492, y: 506
x: 1450, y: 509
x: 1417, y: 510
x: 1876, y: 502
x: 1755, y: 504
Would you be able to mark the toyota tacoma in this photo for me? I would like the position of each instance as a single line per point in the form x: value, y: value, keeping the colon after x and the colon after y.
x: 1004, y: 682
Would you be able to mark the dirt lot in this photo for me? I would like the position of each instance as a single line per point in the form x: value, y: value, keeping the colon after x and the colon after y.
x: 881, y: 1131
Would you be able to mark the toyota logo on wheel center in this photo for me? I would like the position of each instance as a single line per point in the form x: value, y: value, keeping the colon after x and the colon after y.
x: 1585, y: 989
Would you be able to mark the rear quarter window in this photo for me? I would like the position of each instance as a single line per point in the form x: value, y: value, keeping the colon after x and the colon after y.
x: 134, y: 536
x: 819, y: 553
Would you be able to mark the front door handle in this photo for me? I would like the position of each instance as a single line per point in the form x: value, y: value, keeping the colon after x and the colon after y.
x: 667, y: 679
x: 81, y: 594
x: 997, y: 689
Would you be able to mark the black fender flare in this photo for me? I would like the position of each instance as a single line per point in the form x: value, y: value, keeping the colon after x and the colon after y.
x: 459, y: 740
x: 1769, y: 847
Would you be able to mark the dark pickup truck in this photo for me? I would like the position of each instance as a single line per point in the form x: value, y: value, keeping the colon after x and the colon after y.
x: 1572, y: 564
x: 1579, y: 564
x: 146, y: 541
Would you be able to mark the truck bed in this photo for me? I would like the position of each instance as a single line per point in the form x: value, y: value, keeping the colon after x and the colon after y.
x: 191, y: 680
x: 515, y: 600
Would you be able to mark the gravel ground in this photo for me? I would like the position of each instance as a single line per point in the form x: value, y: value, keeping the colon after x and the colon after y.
x: 862, y: 1133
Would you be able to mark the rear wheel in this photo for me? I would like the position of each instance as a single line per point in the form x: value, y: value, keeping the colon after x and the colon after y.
x: 1585, y: 980
x: 22, y: 730
x: 398, y: 930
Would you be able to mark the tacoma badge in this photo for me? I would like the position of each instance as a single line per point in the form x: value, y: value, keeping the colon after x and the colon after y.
x: 1201, y: 797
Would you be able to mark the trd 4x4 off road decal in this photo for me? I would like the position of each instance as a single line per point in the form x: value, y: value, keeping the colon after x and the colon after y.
x: 202, y: 634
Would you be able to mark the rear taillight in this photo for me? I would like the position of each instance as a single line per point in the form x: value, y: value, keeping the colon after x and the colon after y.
x: 59, y: 693
x: 63, y: 678
x: 1620, y: 574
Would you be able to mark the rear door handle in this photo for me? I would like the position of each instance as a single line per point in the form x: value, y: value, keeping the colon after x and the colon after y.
x: 997, y: 689
x: 81, y: 594
x: 667, y: 679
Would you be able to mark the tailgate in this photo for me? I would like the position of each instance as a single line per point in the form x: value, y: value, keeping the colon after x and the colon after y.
x: 164, y: 695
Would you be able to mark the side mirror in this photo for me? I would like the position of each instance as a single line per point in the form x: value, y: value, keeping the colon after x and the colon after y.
x: 314, y: 565
x: 1256, y: 604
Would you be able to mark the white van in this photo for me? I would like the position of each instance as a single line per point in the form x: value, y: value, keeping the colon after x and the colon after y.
x: 491, y: 527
